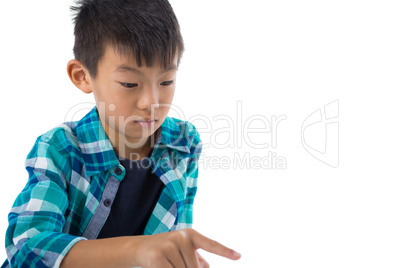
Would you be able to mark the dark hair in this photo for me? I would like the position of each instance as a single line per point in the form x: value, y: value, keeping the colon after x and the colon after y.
x: 144, y: 29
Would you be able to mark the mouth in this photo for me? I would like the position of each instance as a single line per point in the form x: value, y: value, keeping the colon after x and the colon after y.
x: 146, y: 123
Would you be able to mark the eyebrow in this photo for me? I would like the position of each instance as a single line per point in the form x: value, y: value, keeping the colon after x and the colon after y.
x: 125, y: 68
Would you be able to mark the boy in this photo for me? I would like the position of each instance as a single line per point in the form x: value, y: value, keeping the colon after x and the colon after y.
x: 116, y: 188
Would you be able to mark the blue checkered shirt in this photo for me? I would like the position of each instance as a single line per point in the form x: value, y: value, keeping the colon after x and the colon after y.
x: 74, y: 175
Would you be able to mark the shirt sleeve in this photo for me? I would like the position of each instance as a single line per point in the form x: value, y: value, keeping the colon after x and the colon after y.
x: 34, y: 236
x: 186, y: 218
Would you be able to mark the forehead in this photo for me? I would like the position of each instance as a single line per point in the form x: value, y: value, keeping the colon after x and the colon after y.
x: 120, y: 62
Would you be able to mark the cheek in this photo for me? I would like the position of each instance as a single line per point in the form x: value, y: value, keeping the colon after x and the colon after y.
x: 166, y: 96
x: 104, y: 94
x: 165, y: 102
x: 164, y: 110
x: 109, y: 114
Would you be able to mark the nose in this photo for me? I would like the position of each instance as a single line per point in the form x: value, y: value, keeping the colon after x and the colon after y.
x: 148, y: 98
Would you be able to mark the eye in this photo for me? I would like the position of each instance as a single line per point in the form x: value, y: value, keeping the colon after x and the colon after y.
x: 129, y: 85
x: 167, y: 83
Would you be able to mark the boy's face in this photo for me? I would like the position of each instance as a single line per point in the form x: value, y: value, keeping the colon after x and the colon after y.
x: 132, y: 102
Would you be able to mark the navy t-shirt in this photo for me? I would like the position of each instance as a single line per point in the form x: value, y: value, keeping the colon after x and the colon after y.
x: 135, y: 200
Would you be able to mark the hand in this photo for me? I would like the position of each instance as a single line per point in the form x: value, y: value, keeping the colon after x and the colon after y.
x: 177, y: 249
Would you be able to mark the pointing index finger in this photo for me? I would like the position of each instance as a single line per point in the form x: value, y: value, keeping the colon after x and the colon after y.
x: 212, y: 246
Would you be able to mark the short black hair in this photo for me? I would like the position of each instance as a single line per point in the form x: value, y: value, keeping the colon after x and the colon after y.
x: 144, y: 29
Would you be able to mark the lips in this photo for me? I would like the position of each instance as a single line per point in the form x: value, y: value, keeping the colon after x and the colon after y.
x: 146, y: 119
x: 145, y: 123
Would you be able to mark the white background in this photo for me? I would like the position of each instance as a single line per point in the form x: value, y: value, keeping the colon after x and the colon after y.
x: 277, y: 58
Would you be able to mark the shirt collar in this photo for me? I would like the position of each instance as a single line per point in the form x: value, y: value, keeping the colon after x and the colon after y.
x: 98, y: 152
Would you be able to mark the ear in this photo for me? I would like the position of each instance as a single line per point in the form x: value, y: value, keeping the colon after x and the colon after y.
x: 79, y: 75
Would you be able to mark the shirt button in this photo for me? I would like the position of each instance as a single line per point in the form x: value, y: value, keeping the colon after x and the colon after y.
x: 107, y: 202
x: 117, y: 171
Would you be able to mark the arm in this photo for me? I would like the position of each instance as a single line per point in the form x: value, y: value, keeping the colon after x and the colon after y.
x: 106, y: 252
x: 166, y: 250
x: 34, y: 235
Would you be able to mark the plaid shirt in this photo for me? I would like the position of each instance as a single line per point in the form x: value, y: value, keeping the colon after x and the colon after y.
x: 74, y: 175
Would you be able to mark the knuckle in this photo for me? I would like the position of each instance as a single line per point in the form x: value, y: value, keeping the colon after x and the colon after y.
x: 155, y: 254
x: 191, y: 231
x: 187, y: 231
x: 181, y: 235
x: 155, y: 258
x: 169, y: 246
